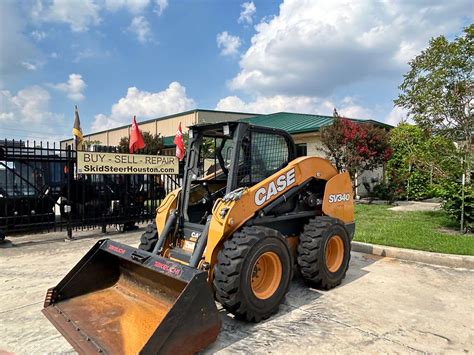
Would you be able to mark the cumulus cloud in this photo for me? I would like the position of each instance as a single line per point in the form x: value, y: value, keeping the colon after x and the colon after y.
x: 347, y: 107
x: 73, y: 88
x: 141, y: 28
x: 133, y: 6
x: 145, y: 105
x: 26, y: 115
x: 228, y: 44
x: 313, y: 47
x: 397, y: 115
x: 79, y: 15
x: 247, y: 13
x: 161, y: 5
x: 272, y: 104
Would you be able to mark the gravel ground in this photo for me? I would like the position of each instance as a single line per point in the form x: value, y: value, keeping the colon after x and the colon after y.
x: 383, y: 306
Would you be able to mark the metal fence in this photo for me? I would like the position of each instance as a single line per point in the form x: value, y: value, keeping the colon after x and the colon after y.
x: 40, y: 191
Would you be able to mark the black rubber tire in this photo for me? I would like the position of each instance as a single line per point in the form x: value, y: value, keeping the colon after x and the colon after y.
x: 311, y: 252
x: 149, y: 239
x: 2, y: 235
x: 233, y: 272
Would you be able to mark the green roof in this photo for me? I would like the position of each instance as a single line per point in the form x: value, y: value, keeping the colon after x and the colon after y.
x: 300, y: 123
x: 293, y: 123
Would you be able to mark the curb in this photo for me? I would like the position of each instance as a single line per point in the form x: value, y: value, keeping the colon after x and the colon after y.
x: 449, y: 260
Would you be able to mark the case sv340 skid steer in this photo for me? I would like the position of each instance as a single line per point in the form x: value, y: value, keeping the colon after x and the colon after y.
x: 235, y: 231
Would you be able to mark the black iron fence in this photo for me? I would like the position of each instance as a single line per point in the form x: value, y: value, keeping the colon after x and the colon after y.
x: 41, y: 191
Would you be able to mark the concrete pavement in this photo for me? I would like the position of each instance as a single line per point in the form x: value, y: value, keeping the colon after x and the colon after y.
x: 384, y: 305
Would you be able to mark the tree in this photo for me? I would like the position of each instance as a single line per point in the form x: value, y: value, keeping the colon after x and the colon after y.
x: 153, y: 144
x: 438, y: 90
x: 86, y: 144
x: 421, y: 164
x: 355, y: 147
x: 438, y: 93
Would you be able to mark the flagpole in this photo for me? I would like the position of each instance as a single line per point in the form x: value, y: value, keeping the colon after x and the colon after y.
x: 76, y: 112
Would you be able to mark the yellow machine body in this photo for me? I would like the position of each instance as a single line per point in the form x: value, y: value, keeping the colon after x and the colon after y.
x: 337, y: 203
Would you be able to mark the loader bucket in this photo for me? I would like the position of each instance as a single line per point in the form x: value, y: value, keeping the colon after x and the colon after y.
x: 121, y: 300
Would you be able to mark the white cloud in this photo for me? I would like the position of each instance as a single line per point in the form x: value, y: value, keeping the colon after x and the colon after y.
x: 300, y: 104
x: 74, y: 87
x: 248, y: 10
x: 349, y: 107
x: 89, y: 53
x: 145, y: 105
x: 32, y: 65
x: 141, y: 28
x: 133, y: 6
x: 228, y: 44
x: 26, y: 115
x: 313, y: 47
x: 396, y: 115
x: 161, y: 5
x: 78, y: 14
x: 277, y: 103
x: 38, y: 35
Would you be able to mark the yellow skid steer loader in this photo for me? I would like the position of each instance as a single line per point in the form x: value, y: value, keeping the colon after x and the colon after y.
x: 248, y: 213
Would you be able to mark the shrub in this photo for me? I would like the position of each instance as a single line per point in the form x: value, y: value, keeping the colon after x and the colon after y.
x: 453, y: 201
x: 385, y: 191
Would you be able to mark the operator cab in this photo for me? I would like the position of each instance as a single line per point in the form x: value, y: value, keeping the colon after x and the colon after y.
x: 226, y: 156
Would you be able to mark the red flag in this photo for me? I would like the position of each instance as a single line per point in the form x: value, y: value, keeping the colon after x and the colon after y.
x: 178, y: 141
x: 136, y: 139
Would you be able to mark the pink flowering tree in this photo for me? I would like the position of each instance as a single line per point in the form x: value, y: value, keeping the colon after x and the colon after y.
x: 354, y: 146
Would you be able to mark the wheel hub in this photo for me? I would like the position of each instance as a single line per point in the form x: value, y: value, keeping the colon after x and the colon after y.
x: 334, y: 253
x: 266, y: 275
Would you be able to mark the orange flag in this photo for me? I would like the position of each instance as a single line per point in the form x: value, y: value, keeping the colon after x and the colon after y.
x: 136, y: 139
x: 178, y: 141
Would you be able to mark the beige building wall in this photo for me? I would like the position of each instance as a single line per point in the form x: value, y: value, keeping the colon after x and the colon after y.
x: 168, y: 127
x: 213, y: 117
x: 149, y: 127
x: 314, y: 145
x: 165, y: 127
x: 114, y: 136
x: 101, y: 137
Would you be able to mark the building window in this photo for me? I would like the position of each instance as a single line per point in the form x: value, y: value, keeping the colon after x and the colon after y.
x: 302, y: 149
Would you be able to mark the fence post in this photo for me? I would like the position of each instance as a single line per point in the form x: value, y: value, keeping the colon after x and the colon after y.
x: 69, y: 228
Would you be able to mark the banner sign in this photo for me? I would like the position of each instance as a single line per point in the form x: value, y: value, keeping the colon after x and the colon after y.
x: 116, y: 163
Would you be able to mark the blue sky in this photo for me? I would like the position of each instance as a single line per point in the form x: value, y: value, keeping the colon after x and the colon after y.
x: 119, y: 58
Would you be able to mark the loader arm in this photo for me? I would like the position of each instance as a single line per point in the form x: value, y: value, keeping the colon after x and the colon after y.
x: 229, y: 214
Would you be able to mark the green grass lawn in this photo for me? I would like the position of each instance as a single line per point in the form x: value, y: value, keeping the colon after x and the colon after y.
x: 419, y: 230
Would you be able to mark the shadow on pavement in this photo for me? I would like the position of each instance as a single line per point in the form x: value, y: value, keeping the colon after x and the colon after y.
x: 298, y: 296
x: 55, y: 237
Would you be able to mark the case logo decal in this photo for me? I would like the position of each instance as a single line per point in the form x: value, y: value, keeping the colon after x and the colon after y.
x: 265, y: 193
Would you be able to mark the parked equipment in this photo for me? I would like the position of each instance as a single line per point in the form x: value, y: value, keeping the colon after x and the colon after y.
x: 248, y: 213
